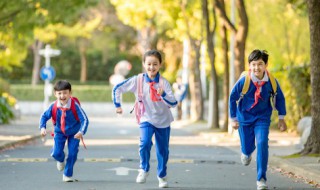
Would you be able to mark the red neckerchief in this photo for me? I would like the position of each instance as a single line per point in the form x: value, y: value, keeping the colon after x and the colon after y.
x: 63, y: 119
x: 153, y: 93
x: 257, y: 95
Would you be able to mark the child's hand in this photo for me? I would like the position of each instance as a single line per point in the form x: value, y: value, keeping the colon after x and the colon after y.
x: 119, y: 110
x: 78, y: 135
x: 43, y: 132
x: 160, y: 91
x: 235, y: 125
x: 282, y: 125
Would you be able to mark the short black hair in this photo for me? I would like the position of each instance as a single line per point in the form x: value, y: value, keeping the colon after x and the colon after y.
x: 62, y: 85
x: 258, y: 54
x: 153, y: 52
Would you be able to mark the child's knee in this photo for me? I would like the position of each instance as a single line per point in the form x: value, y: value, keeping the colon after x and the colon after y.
x: 144, y: 143
x: 57, y: 154
x: 263, y: 143
x: 73, y: 154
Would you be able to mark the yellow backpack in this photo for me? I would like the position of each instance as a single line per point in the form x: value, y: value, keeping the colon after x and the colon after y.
x: 247, y: 84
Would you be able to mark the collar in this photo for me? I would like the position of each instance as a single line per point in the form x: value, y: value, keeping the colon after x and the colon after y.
x: 147, y: 79
x: 255, y: 79
x: 68, y: 105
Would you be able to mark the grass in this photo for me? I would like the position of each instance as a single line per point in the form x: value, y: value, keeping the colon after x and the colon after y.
x: 297, y: 155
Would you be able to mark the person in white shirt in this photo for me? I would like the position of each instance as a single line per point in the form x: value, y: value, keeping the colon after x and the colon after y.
x: 156, y: 116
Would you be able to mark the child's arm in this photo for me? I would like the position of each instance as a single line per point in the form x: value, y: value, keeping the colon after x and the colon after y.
x: 280, y: 102
x: 167, y: 94
x: 128, y: 85
x: 234, y: 97
x: 46, y: 115
x: 281, y: 107
x: 83, y: 120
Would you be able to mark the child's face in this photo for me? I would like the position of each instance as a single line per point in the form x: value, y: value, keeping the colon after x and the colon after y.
x: 258, y: 67
x: 63, y: 96
x: 152, y: 66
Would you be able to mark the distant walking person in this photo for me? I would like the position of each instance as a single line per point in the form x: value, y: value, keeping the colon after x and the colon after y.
x: 154, y: 98
x: 251, y: 110
x: 70, y: 124
x: 180, y: 93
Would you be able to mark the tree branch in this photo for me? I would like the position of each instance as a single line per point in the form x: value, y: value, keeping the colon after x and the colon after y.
x: 224, y: 17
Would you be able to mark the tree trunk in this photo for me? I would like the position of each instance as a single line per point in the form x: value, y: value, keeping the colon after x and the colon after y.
x: 312, y: 145
x: 196, y: 107
x: 147, y: 38
x: 226, y: 76
x: 213, y: 116
x: 241, y: 36
x: 83, y: 69
x: 36, y: 46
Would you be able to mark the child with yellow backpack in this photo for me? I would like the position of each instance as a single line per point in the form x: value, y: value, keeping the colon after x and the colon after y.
x: 252, y: 100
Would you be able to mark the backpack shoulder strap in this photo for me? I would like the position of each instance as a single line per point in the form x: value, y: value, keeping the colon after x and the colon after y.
x: 246, y: 82
x: 273, y: 83
x: 73, y: 107
x: 140, y: 86
x: 76, y: 100
x: 54, y: 112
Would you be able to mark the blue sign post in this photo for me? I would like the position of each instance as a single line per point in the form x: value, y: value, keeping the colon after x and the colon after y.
x: 47, y: 72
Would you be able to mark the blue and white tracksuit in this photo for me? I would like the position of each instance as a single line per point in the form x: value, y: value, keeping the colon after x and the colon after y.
x: 72, y: 127
x: 254, y: 123
x: 155, y: 120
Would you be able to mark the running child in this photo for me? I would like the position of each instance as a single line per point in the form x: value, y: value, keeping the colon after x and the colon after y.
x: 70, y: 124
x: 251, y: 112
x: 156, y: 116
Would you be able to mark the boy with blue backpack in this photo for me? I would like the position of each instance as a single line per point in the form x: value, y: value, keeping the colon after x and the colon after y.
x: 252, y: 100
x: 154, y: 98
x: 70, y: 124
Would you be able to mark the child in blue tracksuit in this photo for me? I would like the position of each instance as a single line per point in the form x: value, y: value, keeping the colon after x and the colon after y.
x: 251, y: 114
x: 68, y: 127
x: 156, y: 119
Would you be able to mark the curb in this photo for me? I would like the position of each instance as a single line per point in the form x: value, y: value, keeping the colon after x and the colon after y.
x: 294, y: 169
x: 19, y: 142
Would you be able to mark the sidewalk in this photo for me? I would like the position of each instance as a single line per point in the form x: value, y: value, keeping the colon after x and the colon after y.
x: 18, y: 132
x: 281, y: 144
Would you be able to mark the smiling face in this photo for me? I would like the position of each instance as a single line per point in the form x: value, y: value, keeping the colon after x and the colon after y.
x: 258, y: 67
x: 63, y: 96
x: 152, y: 65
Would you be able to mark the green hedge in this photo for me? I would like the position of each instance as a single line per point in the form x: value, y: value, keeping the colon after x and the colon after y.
x: 85, y: 93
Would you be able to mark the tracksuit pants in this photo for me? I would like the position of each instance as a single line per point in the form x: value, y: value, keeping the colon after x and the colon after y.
x: 58, y: 153
x: 252, y: 136
x: 162, y: 136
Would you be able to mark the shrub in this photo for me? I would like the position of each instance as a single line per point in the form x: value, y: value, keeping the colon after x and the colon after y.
x: 6, y: 104
x: 85, y: 93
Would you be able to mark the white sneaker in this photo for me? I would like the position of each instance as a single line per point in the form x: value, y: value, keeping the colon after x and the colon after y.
x: 261, y: 185
x: 245, y: 159
x: 60, y: 165
x: 142, y: 176
x: 163, y: 183
x: 67, y: 179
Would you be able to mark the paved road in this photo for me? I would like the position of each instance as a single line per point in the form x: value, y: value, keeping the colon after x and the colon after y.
x: 111, y: 162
